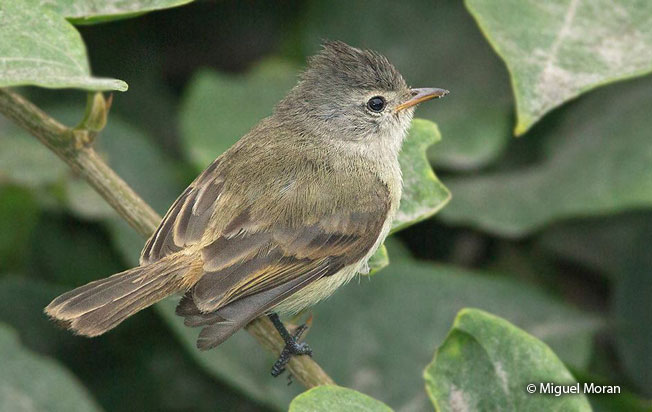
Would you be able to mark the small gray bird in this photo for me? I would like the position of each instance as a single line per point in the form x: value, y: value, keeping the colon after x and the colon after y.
x: 280, y: 220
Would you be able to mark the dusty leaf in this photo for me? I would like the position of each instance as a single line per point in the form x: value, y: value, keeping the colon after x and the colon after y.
x: 38, y: 47
x: 558, y: 49
x: 96, y: 11
x: 336, y: 398
x: 486, y: 363
x: 379, y: 260
x: 218, y: 109
x: 423, y: 194
x: 597, y: 160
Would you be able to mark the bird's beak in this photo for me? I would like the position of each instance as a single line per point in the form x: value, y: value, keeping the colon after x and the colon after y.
x: 421, y: 95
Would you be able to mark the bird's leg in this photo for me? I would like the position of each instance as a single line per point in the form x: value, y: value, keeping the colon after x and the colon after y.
x: 292, y: 344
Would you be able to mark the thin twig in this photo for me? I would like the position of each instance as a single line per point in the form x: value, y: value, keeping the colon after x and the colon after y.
x: 74, y: 147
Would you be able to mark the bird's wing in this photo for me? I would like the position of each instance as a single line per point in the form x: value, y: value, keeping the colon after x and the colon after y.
x: 186, y: 221
x: 254, y: 266
x: 253, y: 256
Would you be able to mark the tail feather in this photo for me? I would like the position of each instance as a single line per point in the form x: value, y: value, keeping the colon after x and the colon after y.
x: 101, y: 305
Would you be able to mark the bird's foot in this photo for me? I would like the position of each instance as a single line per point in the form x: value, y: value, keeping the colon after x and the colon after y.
x: 292, y: 345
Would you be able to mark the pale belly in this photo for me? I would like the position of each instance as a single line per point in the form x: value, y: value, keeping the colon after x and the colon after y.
x: 324, y: 287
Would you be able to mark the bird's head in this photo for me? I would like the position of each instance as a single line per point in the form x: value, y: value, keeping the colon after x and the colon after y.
x: 349, y: 94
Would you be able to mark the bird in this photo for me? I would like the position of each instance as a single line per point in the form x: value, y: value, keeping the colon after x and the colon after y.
x: 280, y: 220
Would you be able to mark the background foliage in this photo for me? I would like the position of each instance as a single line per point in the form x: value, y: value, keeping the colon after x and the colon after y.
x: 549, y: 234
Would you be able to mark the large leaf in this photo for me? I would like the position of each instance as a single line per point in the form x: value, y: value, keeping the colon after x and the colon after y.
x: 94, y: 11
x: 218, y: 108
x: 486, y: 363
x: 375, y: 335
x: 30, y: 382
x: 336, y: 398
x: 433, y: 44
x: 561, y: 48
x: 423, y: 194
x: 378, y: 260
x: 597, y: 160
x: 39, y: 47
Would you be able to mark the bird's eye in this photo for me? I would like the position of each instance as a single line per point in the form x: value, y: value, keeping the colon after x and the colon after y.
x: 376, y: 104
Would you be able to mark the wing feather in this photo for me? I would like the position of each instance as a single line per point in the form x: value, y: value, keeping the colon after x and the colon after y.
x: 186, y: 221
x: 249, y: 263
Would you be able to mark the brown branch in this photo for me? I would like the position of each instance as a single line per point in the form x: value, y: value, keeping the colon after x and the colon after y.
x: 74, y: 147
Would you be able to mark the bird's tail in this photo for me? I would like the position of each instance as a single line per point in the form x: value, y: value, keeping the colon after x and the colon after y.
x: 101, y: 305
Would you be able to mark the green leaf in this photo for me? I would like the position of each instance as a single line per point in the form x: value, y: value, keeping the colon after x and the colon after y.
x: 399, y: 250
x: 217, y: 109
x: 379, y: 260
x: 40, y: 48
x: 597, y: 160
x: 32, y: 382
x: 433, y: 44
x: 97, y: 11
x: 555, y: 52
x: 336, y: 398
x: 375, y: 335
x: 486, y: 363
x: 423, y: 194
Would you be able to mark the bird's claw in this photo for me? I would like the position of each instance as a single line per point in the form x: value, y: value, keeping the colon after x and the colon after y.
x: 292, y: 348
